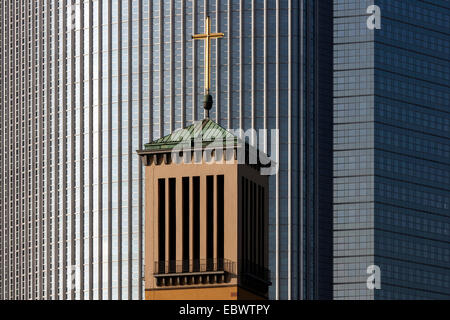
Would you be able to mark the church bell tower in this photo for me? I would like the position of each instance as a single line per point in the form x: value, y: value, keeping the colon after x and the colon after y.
x: 206, y: 212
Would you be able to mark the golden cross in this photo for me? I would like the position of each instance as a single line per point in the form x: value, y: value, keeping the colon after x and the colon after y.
x: 207, y: 36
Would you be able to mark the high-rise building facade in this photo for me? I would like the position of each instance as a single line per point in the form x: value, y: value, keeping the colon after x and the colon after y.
x: 392, y: 149
x: 86, y: 83
x: 75, y: 107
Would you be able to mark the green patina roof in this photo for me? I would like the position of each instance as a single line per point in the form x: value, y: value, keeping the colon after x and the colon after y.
x: 207, y: 130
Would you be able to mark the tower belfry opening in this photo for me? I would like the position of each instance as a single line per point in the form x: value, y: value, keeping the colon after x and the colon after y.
x: 206, y: 212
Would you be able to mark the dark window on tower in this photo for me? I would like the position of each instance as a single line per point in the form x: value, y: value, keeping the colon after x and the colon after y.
x: 244, y: 219
x: 186, y: 224
x: 220, y: 219
x: 162, y: 223
x: 253, y: 218
x: 262, y: 226
x: 248, y: 217
x: 252, y: 208
x: 196, y: 222
x: 210, y: 220
x: 172, y: 224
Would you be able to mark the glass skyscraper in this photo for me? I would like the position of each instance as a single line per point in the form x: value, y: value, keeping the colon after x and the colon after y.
x: 86, y: 83
x: 392, y: 149
x: 74, y: 108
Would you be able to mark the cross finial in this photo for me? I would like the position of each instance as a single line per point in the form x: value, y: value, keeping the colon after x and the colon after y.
x: 207, y: 36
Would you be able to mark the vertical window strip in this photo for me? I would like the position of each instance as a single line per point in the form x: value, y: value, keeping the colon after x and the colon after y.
x: 196, y: 222
x: 220, y: 219
x: 210, y: 218
x: 185, y: 228
x: 161, y: 223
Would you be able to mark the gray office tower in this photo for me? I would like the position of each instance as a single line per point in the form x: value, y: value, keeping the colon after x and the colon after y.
x: 392, y: 149
x: 84, y: 84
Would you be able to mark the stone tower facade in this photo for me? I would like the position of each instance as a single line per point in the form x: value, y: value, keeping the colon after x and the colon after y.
x: 206, y: 217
